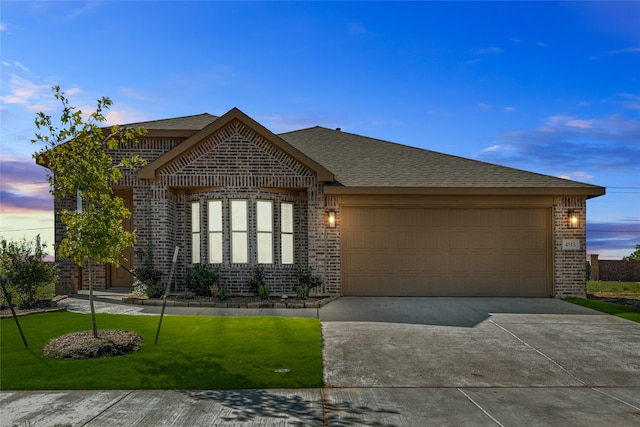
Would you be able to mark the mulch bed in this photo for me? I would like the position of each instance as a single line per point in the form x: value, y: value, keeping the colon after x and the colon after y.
x: 83, y: 345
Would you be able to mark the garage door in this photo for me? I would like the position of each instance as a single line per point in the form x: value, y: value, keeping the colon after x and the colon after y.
x: 446, y: 252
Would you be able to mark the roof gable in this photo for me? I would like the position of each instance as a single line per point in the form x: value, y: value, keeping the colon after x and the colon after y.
x: 150, y: 171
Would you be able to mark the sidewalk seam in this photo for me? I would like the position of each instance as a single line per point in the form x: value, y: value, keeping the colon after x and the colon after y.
x: 565, y: 370
x: 479, y: 407
x: 615, y: 398
x: 108, y: 407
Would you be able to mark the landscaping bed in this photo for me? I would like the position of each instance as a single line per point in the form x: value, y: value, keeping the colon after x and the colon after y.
x: 232, y: 302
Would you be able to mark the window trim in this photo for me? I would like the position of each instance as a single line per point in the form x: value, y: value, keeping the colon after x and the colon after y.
x: 196, y: 237
x: 239, y: 234
x: 215, y: 231
x: 266, y: 232
x: 288, y: 234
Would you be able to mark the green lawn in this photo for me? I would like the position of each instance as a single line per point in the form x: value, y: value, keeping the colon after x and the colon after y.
x: 629, y: 313
x: 193, y: 352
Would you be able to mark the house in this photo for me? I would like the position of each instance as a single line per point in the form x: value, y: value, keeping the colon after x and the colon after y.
x: 373, y: 218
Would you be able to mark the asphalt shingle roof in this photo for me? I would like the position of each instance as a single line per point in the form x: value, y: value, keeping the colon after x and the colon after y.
x: 195, y: 122
x: 361, y: 161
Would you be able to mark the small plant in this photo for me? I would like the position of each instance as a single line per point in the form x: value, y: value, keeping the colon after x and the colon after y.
x: 307, y: 281
x: 148, y: 279
x: 222, y: 294
x: 201, y: 280
x: 186, y: 295
x: 257, y: 284
x: 264, y: 291
x: 214, y: 291
x: 23, y: 266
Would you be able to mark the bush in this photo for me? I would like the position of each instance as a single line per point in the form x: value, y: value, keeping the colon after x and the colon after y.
x: 23, y: 266
x: 201, y: 280
x: 257, y: 285
x: 148, y: 279
x: 307, y: 281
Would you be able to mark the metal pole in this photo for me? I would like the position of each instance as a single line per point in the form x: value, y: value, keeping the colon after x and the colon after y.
x: 15, y: 317
x: 166, y: 290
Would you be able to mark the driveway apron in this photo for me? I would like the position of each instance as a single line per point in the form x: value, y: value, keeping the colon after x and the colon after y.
x: 476, y: 342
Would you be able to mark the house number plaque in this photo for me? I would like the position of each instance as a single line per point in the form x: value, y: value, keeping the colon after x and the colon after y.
x: 571, y: 244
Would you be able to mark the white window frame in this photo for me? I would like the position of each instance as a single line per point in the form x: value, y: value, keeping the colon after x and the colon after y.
x: 239, y: 219
x: 287, y: 247
x: 195, y: 232
x: 264, y: 231
x: 214, y: 228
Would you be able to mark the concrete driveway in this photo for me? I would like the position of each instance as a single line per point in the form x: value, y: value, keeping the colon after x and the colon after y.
x: 401, y: 362
x: 504, y: 361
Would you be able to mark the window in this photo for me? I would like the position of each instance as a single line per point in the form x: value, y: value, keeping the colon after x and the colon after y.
x: 214, y: 222
x: 264, y: 229
x: 239, y: 248
x: 195, y: 232
x: 286, y: 232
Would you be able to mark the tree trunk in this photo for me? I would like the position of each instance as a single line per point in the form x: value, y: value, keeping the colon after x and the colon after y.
x: 93, y: 310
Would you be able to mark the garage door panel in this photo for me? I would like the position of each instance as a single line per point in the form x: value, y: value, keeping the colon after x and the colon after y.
x: 426, y: 251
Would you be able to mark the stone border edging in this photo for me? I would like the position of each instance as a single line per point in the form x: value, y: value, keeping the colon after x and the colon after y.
x: 211, y: 304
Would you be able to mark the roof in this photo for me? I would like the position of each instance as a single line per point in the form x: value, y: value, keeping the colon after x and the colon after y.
x: 195, y: 122
x: 150, y: 170
x: 354, y: 164
x: 368, y: 165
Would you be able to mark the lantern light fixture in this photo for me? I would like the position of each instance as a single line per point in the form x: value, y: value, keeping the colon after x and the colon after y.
x: 572, y: 218
x: 331, y: 219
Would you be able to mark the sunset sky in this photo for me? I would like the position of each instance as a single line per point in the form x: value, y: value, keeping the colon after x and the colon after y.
x: 548, y: 87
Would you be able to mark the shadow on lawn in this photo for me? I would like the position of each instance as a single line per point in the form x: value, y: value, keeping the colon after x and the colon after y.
x: 298, y: 407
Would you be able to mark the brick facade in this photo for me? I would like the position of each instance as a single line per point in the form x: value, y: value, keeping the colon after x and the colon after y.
x: 570, y: 275
x: 237, y: 161
x: 234, y: 163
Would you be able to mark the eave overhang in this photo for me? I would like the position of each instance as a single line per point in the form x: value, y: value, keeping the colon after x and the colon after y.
x: 588, y: 192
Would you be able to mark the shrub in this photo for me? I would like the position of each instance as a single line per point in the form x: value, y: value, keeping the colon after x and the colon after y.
x: 307, y: 281
x: 222, y: 294
x: 23, y: 266
x: 201, y: 280
x: 148, y: 279
x: 257, y: 285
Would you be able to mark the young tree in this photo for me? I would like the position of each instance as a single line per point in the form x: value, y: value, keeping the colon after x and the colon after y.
x: 635, y: 255
x: 80, y: 166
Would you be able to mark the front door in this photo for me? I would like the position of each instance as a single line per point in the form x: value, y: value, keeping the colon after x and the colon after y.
x: 120, y: 277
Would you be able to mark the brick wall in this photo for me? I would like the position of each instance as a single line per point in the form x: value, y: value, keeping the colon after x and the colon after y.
x: 570, y: 267
x: 233, y: 163
x: 614, y: 270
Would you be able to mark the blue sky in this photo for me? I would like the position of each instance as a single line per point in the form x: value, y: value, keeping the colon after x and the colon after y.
x: 548, y: 87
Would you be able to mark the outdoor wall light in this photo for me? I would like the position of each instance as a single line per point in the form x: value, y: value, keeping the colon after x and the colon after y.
x: 331, y: 219
x: 572, y: 217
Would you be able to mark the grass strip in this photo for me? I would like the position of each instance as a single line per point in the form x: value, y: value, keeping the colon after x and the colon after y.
x: 623, y: 311
x: 193, y: 352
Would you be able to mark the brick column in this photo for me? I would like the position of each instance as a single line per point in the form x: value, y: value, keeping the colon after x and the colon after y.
x: 595, y: 268
x: 570, y: 248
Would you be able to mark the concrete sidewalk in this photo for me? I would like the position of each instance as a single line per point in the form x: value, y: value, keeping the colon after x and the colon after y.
x: 397, y: 362
x: 578, y: 407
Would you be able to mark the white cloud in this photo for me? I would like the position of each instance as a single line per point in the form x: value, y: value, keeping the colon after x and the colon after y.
x: 3, y: 27
x: 577, y: 176
x: 487, y: 50
x: 584, y: 124
x: 357, y: 28
x: 509, y: 109
x: 26, y: 93
x: 625, y: 50
x: 120, y: 117
x: 483, y: 106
